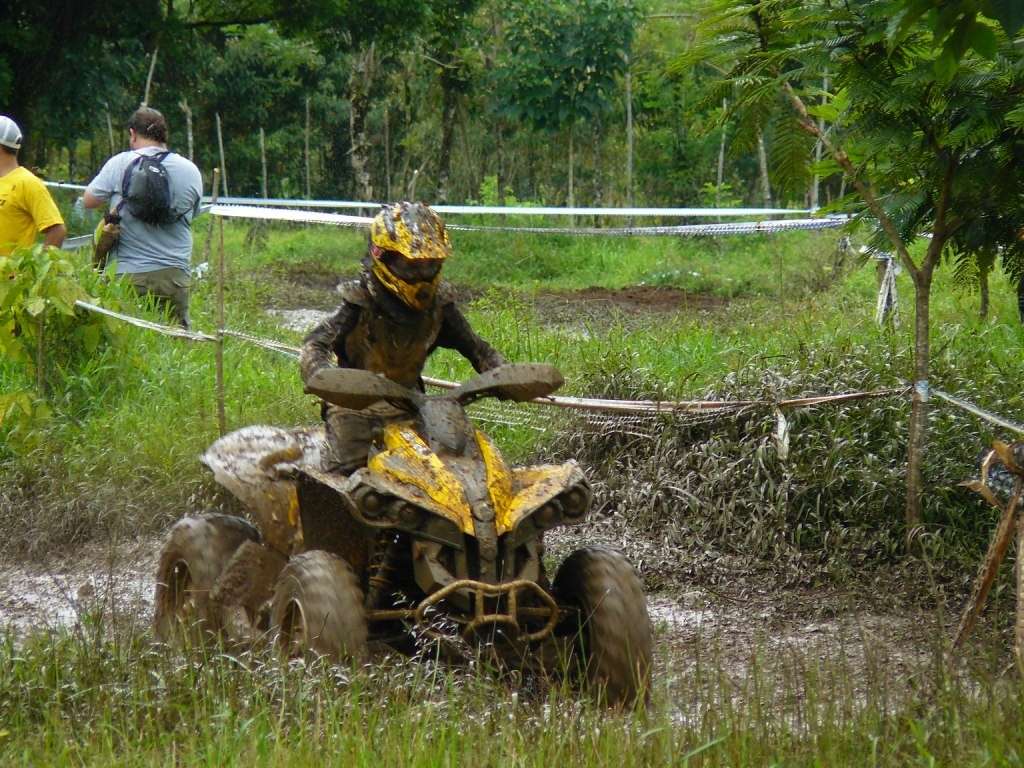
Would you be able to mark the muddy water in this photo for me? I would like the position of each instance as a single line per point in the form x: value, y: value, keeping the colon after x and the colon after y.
x: 58, y: 593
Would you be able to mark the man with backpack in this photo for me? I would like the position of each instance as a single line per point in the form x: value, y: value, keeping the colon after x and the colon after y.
x: 153, y: 195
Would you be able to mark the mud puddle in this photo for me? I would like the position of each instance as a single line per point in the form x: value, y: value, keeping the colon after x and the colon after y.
x: 59, y: 592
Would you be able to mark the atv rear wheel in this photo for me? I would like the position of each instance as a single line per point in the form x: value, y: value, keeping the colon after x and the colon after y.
x: 318, y: 607
x: 612, y: 643
x: 191, y: 561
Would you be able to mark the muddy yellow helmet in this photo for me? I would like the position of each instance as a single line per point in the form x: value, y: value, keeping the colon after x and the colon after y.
x: 408, y: 246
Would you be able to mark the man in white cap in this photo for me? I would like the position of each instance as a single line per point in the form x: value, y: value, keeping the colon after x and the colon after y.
x: 26, y: 208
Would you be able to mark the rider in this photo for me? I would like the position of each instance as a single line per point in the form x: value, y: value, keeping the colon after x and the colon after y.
x: 391, y: 318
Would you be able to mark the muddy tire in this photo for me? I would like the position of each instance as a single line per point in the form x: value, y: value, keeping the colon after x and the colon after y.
x: 191, y: 561
x: 611, y: 636
x: 318, y: 608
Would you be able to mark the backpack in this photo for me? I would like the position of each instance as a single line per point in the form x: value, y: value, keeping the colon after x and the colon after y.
x: 146, y: 190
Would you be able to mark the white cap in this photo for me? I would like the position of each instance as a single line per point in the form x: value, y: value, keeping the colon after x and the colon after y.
x: 10, y: 133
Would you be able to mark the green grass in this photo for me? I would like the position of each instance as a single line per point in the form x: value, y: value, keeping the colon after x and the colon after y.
x: 130, y: 422
x: 102, y: 696
x: 120, y: 456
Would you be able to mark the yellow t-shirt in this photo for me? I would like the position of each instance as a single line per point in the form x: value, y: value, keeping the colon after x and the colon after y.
x: 26, y: 209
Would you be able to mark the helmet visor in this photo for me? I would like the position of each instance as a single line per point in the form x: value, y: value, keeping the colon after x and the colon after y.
x: 411, y: 270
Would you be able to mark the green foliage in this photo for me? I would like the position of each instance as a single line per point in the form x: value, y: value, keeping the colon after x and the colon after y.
x: 563, y: 58
x: 40, y: 325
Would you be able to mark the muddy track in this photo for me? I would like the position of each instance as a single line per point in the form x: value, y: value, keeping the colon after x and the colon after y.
x: 116, y: 583
x: 305, y: 293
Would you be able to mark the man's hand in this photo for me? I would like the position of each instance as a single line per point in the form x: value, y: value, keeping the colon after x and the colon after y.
x: 54, y: 235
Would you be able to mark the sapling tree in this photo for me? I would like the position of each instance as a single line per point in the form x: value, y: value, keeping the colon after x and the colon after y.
x: 923, y: 138
x: 562, y: 62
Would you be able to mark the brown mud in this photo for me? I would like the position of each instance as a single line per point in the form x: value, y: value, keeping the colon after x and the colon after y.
x: 305, y: 293
x: 748, y: 629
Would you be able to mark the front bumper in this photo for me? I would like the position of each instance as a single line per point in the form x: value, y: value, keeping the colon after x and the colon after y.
x: 493, y: 605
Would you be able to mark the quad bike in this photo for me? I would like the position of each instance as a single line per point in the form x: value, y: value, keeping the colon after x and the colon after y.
x: 435, y: 540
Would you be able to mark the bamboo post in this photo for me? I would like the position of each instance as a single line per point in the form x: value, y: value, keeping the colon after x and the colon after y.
x: 263, y: 162
x: 220, y: 147
x: 308, y: 186
x: 110, y: 129
x: 149, y: 77
x: 40, y: 359
x: 222, y: 423
x: 184, y: 107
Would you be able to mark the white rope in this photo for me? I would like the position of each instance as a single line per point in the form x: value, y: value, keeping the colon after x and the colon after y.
x: 681, y: 230
x: 166, y: 330
x: 692, y: 230
x: 980, y: 412
x: 280, y: 214
x: 278, y: 202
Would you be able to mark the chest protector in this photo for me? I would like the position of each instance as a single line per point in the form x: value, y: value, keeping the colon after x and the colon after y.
x: 390, y: 344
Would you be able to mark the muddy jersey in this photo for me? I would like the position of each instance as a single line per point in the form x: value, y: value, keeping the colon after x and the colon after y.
x: 374, y: 331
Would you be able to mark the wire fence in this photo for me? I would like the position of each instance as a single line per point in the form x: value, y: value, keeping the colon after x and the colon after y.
x: 638, y: 417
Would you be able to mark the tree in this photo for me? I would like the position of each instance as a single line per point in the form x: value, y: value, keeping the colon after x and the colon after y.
x: 921, y: 142
x: 562, y: 61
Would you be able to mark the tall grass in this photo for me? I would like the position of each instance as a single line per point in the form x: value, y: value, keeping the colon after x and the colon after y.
x: 101, y: 696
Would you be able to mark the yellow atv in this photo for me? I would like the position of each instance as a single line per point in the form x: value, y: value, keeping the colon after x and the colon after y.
x: 436, y: 539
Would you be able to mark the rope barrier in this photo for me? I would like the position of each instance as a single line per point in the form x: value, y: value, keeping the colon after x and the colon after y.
x: 625, y: 407
x: 166, y: 330
x: 980, y: 412
x: 691, y: 230
x: 278, y: 202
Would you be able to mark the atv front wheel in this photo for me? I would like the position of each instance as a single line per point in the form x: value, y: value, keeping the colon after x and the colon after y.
x: 612, y: 643
x: 318, y: 606
x: 191, y: 561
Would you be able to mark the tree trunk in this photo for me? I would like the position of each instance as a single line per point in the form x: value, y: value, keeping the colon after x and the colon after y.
x: 360, y: 83
x: 444, y: 159
x: 815, y: 184
x: 983, y: 285
x: 572, y: 198
x: 629, y: 141
x: 720, y: 178
x: 184, y: 107
x: 1020, y: 299
x: 919, y: 398
x: 149, y: 77
x: 309, y: 183
x: 263, y: 163
x: 387, y: 153
x: 762, y: 164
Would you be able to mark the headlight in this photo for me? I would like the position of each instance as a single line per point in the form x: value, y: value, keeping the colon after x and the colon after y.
x: 548, y: 515
x: 575, y: 501
x: 371, y: 503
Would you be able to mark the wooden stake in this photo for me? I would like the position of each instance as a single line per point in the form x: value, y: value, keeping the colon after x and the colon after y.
x: 1019, y: 626
x: 263, y: 162
x: 223, y: 167
x: 990, y: 566
x: 222, y: 423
